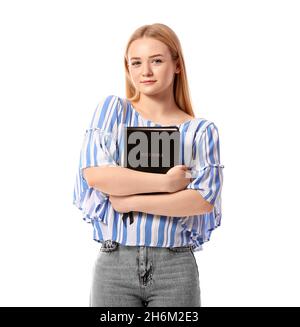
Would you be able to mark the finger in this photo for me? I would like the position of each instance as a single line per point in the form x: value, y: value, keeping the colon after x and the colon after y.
x: 182, y: 167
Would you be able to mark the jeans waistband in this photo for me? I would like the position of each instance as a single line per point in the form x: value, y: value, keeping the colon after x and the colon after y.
x: 113, y: 244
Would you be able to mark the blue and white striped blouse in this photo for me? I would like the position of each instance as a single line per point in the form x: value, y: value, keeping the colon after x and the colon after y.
x: 103, y: 145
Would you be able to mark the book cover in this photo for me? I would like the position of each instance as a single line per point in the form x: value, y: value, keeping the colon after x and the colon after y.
x: 153, y: 149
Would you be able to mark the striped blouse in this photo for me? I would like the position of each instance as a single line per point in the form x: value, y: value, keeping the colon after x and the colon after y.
x: 103, y: 145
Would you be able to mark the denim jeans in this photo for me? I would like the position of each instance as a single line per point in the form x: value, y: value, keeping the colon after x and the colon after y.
x: 143, y: 276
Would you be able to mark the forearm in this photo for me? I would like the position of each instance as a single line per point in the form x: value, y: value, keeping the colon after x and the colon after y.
x: 183, y: 203
x: 125, y: 181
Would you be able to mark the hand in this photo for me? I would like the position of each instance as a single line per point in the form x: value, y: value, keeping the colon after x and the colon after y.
x: 178, y: 178
x: 121, y: 203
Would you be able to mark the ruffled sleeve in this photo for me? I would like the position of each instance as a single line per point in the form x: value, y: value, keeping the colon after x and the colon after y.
x: 205, y: 167
x: 99, y: 148
x: 207, y: 179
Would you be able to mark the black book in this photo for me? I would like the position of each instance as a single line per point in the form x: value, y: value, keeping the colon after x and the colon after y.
x: 151, y: 149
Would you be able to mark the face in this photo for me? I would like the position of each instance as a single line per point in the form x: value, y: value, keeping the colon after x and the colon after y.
x: 150, y: 59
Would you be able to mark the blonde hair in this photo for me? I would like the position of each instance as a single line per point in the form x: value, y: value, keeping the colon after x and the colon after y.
x: 166, y: 35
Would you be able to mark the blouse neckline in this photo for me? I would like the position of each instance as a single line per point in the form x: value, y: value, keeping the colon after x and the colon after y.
x: 158, y: 124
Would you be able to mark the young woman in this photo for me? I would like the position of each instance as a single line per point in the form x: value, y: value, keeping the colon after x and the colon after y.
x: 149, y: 262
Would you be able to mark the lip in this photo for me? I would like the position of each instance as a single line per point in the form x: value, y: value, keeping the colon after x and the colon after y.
x: 148, y: 82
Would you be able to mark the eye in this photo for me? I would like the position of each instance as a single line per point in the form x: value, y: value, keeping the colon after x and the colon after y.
x: 138, y: 62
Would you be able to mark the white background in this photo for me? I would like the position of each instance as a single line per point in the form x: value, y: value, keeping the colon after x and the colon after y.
x: 59, y: 58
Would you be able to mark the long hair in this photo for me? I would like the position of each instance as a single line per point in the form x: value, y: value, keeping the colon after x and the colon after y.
x: 166, y: 35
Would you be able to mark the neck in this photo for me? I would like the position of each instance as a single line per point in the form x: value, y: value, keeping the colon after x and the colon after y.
x: 156, y: 106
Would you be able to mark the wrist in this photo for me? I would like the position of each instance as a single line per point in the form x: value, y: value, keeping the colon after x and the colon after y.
x: 166, y: 183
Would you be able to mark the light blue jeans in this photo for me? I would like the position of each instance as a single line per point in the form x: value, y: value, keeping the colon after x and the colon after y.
x: 143, y: 276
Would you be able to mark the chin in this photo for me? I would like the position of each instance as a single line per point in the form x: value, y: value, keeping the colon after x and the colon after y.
x: 153, y: 92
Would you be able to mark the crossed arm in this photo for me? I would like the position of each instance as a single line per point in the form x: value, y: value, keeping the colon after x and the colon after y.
x: 182, y: 203
x: 125, y: 186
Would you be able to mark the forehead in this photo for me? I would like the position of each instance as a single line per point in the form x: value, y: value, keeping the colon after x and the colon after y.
x: 146, y: 47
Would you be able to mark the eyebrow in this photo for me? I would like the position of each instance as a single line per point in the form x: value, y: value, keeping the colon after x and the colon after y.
x: 156, y: 55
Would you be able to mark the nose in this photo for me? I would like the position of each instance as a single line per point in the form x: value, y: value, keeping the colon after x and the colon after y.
x: 147, y: 70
